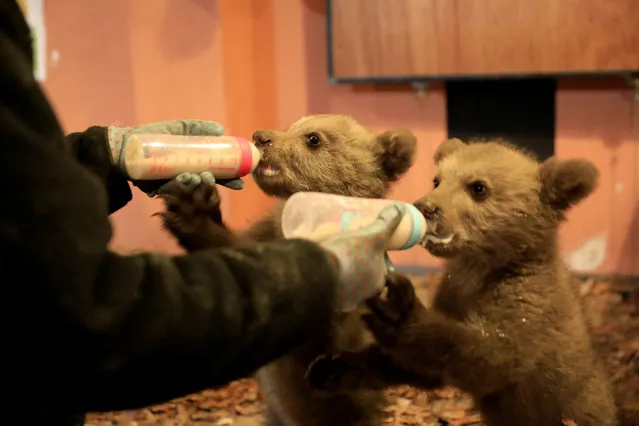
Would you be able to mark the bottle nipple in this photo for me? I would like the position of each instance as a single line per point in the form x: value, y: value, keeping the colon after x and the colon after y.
x: 419, y: 227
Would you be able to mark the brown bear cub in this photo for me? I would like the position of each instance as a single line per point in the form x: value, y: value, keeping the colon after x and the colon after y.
x: 506, y: 324
x: 321, y: 153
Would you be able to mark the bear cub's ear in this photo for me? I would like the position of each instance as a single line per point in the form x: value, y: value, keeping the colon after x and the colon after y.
x: 446, y: 148
x: 564, y: 183
x: 395, y: 150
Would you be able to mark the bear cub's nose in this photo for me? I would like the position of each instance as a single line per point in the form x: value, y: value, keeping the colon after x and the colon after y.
x: 262, y: 138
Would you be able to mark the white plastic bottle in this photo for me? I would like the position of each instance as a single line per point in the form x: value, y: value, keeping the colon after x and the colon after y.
x: 162, y: 156
x: 317, y: 216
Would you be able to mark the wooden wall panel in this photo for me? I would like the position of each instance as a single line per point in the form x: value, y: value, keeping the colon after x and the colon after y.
x: 384, y: 38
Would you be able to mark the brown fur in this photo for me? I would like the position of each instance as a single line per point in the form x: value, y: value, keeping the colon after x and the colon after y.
x: 506, y: 323
x: 322, y: 153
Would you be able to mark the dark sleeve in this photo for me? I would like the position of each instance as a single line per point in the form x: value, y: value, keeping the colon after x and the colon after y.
x: 91, y: 149
x: 194, y: 322
x: 93, y: 330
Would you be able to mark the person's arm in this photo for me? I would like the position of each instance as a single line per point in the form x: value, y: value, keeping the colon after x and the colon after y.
x: 185, y: 324
x: 94, y: 330
x: 91, y: 148
x: 126, y: 331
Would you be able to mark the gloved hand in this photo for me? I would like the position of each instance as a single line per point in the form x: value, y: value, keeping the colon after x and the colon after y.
x: 362, y: 256
x: 118, y: 137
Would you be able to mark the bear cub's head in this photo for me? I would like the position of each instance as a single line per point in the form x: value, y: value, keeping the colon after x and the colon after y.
x: 492, y: 200
x: 332, y: 154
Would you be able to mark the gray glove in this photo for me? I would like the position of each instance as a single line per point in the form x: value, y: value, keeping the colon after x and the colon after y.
x: 362, y: 256
x: 118, y: 137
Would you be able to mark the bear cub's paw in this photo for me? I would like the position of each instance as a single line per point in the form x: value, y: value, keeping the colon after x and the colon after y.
x: 326, y: 372
x: 391, y: 312
x: 192, y: 206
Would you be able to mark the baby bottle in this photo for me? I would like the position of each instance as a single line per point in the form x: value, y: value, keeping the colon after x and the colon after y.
x: 162, y: 156
x: 317, y: 216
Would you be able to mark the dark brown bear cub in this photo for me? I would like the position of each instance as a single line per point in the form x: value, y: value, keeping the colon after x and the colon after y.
x: 321, y: 153
x: 506, y: 324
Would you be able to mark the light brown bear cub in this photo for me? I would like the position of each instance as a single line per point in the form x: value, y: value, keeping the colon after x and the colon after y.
x: 506, y: 324
x: 322, y: 153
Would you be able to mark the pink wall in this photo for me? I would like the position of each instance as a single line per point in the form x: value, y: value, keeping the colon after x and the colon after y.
x: 261, y: 63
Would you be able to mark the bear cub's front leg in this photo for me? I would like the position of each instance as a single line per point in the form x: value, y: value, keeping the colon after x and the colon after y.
x: 374, y: 368
x: 392, y: 313
x: 193, y: 213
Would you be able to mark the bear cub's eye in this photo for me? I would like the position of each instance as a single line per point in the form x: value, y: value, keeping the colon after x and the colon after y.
x: 436, y: 182
x: 478, y: 189
x: 313, y: 140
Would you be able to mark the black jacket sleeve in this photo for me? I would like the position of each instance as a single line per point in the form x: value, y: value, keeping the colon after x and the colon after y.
x: 91, y: 330
x: 91, y: 149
